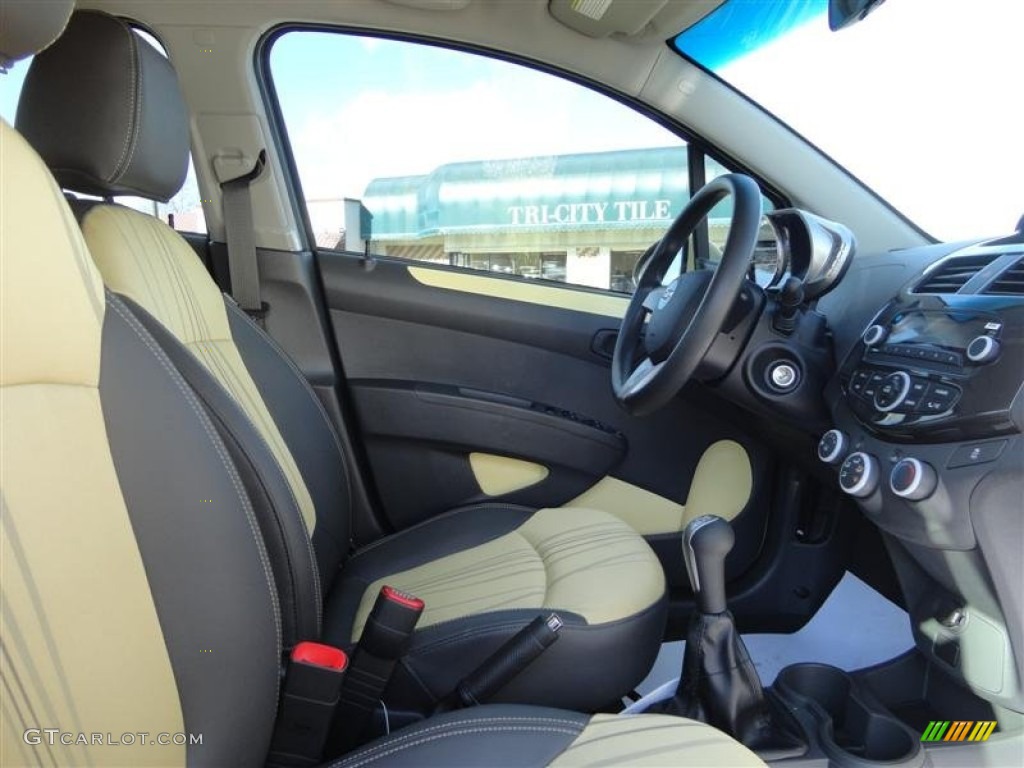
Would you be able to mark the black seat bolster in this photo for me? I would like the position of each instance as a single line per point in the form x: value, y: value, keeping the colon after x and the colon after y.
x: 307, y: 431
x: 200, y: 545
x: 523, y: 737
x: 280, y: 519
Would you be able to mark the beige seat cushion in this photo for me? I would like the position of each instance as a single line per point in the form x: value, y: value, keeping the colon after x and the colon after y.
x: 653, y: 740
x: 579, y: 560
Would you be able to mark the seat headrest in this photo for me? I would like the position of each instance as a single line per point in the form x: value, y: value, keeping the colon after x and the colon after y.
x: 28, y: 26
x: 103, y: 108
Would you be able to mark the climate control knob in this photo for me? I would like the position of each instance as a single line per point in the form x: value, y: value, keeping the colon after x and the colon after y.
x: 913, y: 479
x: 858, y: 475
x: 875, y: 335
x: 833, y: 446
x: 892, y: 391
x: 982, y: 349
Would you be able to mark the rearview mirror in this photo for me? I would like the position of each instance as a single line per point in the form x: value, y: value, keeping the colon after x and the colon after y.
x: 843, y: 13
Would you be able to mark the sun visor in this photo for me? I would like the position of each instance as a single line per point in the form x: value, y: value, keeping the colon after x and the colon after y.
x: 631, y: 19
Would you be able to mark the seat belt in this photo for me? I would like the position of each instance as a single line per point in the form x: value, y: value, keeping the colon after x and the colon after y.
x: 243, y: 265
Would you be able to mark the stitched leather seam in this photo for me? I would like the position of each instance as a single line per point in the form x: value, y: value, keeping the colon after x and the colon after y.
x: 218, y: 447
x: 317, y: 597
x: 463, y: 732
x: 132, y: 131
x: 307, y: 389
x: 459, y: 728
x: 435, y: 518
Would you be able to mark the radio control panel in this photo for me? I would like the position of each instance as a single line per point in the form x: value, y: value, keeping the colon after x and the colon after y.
x: 940, y: 368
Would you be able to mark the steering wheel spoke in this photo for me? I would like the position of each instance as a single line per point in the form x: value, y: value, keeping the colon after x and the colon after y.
x: 653, y: 298
x: 643, y: 373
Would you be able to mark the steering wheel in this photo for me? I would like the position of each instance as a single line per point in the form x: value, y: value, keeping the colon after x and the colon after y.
x: 687, y: 314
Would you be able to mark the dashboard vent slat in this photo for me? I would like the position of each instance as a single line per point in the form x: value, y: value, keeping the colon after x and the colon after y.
x: 954, y: 273
x: 1010, y: 282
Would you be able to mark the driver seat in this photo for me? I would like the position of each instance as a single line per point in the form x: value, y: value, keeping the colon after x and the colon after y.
x: 484, y: 571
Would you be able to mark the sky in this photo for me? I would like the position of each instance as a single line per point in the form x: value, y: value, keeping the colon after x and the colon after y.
x: 920, y: 101
x: 917, y: 101
x: 384, y: 108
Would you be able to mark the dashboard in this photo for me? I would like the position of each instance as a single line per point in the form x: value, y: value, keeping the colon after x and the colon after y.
x: 925, y: 409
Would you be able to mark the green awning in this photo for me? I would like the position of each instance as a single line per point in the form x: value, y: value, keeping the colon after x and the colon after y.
x: 631, y: 189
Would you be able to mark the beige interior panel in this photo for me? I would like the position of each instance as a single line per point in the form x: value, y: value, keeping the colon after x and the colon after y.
x: 721, y: 486
x: 579, y: 560
x: 722, y: 482
x: 662, y: 740
x: 82, y: 646
x: 142, y: 258
x: 498, y: 475
x: 647, y: 513
x: 522, y: 291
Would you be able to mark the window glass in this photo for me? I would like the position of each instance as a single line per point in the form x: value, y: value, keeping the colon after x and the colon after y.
x: 184, y: 210
x: 428, y: 154
x: 765, y: 259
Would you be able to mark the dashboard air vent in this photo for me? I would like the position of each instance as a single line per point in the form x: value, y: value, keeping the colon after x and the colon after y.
x: 1010, y: 281
x: 953, y: 274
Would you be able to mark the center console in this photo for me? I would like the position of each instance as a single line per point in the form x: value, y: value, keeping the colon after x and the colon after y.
x: 927, y: 410
x: 926, y: 403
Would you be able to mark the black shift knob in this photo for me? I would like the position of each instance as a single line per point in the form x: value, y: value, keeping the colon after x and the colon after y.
x: 706, y: 541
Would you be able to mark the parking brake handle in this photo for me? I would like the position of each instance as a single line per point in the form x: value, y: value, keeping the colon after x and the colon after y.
x: 503, y: 665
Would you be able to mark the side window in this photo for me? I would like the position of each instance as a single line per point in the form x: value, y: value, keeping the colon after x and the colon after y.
x: 184, y: 211
x: 417, y: 152
x: 765, y: 259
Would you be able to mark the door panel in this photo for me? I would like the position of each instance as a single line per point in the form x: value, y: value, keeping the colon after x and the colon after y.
x: 399, y: 338
x: 427, y: 442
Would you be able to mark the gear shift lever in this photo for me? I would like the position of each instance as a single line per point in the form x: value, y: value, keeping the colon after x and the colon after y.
x: 706, y: 542
x: 719, y: 684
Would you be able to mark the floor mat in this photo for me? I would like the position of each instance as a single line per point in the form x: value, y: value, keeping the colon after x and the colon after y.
x: 855, y: 627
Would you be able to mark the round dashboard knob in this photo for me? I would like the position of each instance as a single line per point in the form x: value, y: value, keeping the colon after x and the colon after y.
x: 833, y: 446
x: 913, y: 479
x: 875, y: 335
x: 858, y: 475
x: 982, y: 349
x: 892, y: 391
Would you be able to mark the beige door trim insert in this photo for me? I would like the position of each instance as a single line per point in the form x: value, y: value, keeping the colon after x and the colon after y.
x: 721, y: 486
x: 498, y: 475
x: 524, y: 291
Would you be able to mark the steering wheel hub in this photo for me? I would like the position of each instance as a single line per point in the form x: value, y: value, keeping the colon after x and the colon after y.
x: 675, y: 310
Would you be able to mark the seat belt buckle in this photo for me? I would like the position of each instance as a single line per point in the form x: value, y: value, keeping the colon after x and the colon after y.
x: 390, y: 625
x: 312, y: 685
x: 385, y: 639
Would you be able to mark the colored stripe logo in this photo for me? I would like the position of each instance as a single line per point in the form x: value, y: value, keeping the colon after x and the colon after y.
x: 958, y: 730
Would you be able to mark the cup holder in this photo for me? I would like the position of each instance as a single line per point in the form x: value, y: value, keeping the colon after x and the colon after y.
x: 853, y: 729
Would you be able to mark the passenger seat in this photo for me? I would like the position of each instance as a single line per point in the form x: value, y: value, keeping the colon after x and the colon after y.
x: 484, y: 572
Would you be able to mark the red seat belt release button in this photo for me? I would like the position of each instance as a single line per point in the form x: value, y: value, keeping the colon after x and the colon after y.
x: 320, y: 655
x: 309, y: 698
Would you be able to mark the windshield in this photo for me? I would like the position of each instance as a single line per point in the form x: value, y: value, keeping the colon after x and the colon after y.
x: 917, y: 100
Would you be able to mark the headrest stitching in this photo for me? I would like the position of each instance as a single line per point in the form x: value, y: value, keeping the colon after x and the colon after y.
x: 135, y: 95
